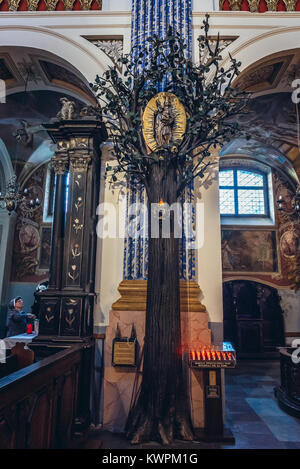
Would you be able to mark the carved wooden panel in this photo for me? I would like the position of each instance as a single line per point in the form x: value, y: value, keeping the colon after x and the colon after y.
x: 41, y: 408
x: 65, y: 409
x: 7, y: 433
x: 49, y: 316
x: 71, y: 315
x: 38, y: 420
x: 75, y: 229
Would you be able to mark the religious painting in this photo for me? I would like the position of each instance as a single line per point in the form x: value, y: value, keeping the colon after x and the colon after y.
x: 290, y: 242
x: 249, y: 251
x: 29, y: 238
x: 45, y: 246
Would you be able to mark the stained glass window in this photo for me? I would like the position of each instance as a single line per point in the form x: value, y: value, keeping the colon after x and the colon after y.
x: 243, y: 192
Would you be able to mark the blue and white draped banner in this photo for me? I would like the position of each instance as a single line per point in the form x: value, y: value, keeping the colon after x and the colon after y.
x: 154, y: 17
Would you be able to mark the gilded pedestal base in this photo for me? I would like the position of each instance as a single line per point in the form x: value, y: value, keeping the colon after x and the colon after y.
x: 134, y: 294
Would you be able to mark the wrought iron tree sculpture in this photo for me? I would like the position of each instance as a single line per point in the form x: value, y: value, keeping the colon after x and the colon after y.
x: 165, y: 145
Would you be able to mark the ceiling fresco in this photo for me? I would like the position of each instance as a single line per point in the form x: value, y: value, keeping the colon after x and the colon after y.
x: 271, y: 116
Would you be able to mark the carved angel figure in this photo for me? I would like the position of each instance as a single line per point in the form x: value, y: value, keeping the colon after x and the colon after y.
x: 67, y: 109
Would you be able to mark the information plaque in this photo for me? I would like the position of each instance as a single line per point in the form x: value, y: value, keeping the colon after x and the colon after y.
x: 124, y: 352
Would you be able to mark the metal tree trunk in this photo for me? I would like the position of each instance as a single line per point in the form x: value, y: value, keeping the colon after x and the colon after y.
x: 162, y: 411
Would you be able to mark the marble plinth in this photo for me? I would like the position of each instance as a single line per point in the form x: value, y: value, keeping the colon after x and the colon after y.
x: 119, y: 382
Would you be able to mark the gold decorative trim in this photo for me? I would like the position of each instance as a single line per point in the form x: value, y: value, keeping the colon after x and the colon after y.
x: 86, y: 4
x: 271, y: 4
x: 235, y: 5
x: 60, y: 164
x: 33, y: 4
x: 134, y: 294
x: 51, y: 4
x: 79, y: 163
x: 13, y: 5
x: 68, y: 4
x: 253, y: 4
x: 290, y: 4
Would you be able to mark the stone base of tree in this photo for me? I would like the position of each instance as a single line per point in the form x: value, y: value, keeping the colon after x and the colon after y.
x: 120, y: 382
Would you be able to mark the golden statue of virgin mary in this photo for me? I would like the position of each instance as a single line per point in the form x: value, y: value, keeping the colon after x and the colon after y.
x: 164, y: 121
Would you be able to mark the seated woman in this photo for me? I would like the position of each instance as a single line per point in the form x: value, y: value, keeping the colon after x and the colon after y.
x: 17, y: 320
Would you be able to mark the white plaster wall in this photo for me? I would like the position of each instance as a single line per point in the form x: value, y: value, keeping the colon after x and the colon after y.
x: 258, y: 35
x: 205, y: 5
x: 110, y: 250
x: 61, y: 33
x: 116, y: 5
x: 208, y: 257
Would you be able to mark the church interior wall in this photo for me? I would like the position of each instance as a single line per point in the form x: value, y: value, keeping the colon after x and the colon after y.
x: 208, y: 264
x: 254, y: 37
x: 110, y: 247
x: 245, y: 263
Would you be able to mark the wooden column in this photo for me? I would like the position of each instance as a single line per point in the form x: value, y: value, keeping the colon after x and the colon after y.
x: 66, y: 308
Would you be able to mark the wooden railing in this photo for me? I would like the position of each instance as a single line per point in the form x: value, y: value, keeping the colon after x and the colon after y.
x: 43, y: 405
x: 260, y: 5
x: 49, y: 5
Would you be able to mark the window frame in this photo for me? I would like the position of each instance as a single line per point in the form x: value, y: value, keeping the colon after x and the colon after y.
x: 236, y: 188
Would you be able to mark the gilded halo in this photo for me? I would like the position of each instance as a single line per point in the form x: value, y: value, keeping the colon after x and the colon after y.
x: 164, y: 120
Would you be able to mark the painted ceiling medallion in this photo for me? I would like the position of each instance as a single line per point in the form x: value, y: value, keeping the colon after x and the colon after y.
x: 164, y: 121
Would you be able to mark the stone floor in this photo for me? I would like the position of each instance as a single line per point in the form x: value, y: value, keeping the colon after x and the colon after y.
x: 252, y: 414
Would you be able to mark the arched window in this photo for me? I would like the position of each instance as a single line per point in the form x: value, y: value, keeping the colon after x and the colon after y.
x: 243, y: 193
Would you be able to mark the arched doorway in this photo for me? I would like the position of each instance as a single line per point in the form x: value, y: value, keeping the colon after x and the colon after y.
x: 253, y: 318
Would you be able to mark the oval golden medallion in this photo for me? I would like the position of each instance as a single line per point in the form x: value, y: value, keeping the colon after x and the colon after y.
x: 164, y: 121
